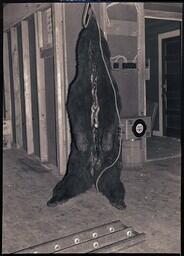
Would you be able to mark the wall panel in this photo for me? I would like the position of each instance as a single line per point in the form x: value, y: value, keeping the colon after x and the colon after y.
x: 16, y: 86
x: 51, y: 109
x: 27, y: 86
x: 11, y: 90
x: 34, y: 89
x: 22, y: 97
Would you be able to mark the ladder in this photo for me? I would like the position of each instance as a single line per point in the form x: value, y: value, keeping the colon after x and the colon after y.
x: 105, y: 238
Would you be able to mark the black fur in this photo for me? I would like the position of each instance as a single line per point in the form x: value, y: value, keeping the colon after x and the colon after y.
x: 79, y: 178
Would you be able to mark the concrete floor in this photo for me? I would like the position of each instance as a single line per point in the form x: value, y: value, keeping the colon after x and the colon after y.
x: 163, y: 148
x: 152, y: 198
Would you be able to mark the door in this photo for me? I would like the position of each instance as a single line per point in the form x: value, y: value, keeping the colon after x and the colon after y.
x: 171, y: 49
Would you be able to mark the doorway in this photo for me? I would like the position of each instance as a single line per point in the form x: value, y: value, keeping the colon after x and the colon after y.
x: 163, y: 53
x: 171, y: 80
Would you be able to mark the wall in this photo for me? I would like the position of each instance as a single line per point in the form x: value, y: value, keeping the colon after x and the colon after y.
x: 123, y: 45
x: 152, y: 29
x: 15, y: 12
x: 34, y: 87
x: 119, y: 44
x: 73, y: 28
x: 128, y: 80
x: 12, y: 92
x: 22, y: 97
x: 168, y: 7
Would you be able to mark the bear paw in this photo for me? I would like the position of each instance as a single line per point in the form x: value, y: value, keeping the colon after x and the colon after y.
x: 52, y: 202
x: 119, y: 205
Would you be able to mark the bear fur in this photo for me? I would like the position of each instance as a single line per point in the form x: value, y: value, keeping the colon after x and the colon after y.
x: 88, y: 157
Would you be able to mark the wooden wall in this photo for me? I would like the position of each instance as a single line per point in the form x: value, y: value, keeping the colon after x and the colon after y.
x: 39, y: 83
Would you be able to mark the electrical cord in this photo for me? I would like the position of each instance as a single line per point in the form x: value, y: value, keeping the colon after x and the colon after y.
x: 117, y: 110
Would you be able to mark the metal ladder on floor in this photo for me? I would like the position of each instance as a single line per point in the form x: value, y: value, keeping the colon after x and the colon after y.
x: 106, y: 238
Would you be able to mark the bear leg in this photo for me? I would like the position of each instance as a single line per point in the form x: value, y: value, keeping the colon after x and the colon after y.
x: 111, y: 187
x: 77, y: 180
x: 69, y: 187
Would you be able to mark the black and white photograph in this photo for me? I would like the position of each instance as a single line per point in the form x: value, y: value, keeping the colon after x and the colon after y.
x: 91, y: 114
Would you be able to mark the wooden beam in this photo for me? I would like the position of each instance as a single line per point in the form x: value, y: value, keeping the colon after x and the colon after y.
x: 163, y: 15
x: 14, y: 13
x: 66, y: 82
x: 141, y: 60
x: 60, y: 87
x: 41, y: 90
x: 16, y: 82
x: 141, y: 66
x: 6, y: 73
x: 27, y: 86
x: 7, y: 88
x: 119, y: 3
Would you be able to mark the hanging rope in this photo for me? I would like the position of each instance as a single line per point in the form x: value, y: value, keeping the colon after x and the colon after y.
x: 86, y: 14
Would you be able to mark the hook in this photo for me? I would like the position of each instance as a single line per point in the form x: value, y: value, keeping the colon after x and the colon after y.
x: 87, y: 14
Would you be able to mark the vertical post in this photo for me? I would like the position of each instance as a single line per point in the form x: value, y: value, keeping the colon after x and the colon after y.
x: 16, y: 81
x: 41, y: 88
x: 141, y: 59
x: 160, y: 85
x: 141, y: 69
x: 27, y: 86
x: 60, y: 89
x: 6, y: 76
x: 66, y: 82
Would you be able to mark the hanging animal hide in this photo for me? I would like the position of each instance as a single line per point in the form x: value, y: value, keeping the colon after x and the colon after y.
x: 94, y: 124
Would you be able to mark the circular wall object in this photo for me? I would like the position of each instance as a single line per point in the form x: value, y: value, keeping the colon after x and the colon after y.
x: 139, y: 128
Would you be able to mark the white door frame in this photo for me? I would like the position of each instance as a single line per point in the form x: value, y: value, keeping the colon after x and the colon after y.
x: 161, y: 37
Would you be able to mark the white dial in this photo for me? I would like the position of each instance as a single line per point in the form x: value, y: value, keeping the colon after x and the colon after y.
x: 139, y: 128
